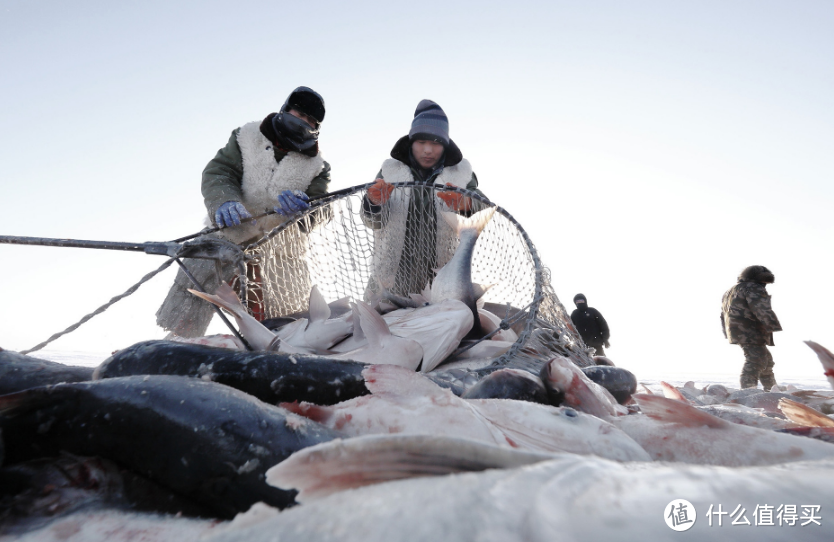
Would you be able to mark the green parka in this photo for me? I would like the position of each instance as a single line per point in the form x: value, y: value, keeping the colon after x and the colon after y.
x: 223, y: 175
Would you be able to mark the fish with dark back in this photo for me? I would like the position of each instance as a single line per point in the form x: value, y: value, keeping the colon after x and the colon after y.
x: 203, y: 440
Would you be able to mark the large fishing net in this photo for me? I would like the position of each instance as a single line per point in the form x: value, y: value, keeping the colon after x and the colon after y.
x: 349, y: 248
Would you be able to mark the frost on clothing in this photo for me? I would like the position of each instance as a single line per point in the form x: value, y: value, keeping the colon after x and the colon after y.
x: 252, y: 170
x: 410, y: 241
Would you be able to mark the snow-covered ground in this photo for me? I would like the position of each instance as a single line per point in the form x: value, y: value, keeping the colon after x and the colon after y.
x: 93, y: 359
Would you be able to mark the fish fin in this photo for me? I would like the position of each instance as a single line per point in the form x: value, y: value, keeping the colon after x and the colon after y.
x: 671, y: 392
x: 343, y: 304
x: 477, y: 221
x: 357, y: 322
x: 392, y: 381
x: 804, y: 415
x: 673, y: 411
x: 648, y: 391
x: 220, y: 302
x: 274, y: 345
x: 826, y: 358
x: 337, y: 465
x: 319, y: 309
x: 386, y: 306
x: 373, y: 326
x: 479, y: 290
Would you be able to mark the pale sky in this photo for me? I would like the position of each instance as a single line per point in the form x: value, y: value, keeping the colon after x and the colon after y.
x: 651, y: 149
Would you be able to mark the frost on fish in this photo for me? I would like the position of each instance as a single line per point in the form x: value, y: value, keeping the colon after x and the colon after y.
x: 405, y: 402
x: 570, y: 497
x: 381, y: 346
x: 671, y: 430
x: 438, y: 329
x: 319, y: 471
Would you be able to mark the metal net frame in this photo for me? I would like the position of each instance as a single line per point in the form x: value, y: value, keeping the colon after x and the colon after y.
x: 348, y: 247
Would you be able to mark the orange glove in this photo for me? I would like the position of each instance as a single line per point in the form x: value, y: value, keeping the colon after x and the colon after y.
x: 456, y: 200
x: 380, y: 192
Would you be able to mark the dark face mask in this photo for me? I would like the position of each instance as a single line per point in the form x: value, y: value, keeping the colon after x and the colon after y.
x: 294, y: 132
x: 581, y: 305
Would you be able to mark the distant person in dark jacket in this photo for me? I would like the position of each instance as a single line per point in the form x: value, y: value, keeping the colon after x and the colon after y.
x: 748, y: 321
x: 591, y: 325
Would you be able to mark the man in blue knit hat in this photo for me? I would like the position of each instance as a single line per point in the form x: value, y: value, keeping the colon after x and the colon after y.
x: 409, y: 240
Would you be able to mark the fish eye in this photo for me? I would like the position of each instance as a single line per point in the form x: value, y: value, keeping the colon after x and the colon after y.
x: 570, y: 413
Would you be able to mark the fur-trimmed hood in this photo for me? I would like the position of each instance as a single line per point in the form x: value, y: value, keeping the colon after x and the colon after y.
x: 402, y: 148
x: 757, y: 273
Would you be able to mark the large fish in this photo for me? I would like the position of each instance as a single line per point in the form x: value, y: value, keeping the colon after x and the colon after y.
x: 258, y: 336
x: 315, y: 335
x: 381, y: 346
x: 620, y: 383
x: 566, y: 383
x: 409, y: 403
x: 207, y: 442
x: 743, y: 415
x: 454, y: 280
x: 35, y: 492
x: 674, y: 431
x: 438, y: 328
x: 270, y: 376
x: 509, y: 384
x: 570, y: 498
x: 19, y: 372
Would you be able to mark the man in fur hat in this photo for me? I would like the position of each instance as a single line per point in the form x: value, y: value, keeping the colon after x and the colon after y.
x: 273, y: 164
x: 411, y: 241
x: 748, y: 320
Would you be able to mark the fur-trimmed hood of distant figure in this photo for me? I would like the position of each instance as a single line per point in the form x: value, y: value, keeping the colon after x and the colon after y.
x: 757, y: 273
x: 402, y: 152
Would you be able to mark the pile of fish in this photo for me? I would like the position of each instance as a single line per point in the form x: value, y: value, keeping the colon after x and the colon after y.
x: 354, y: 428
x: 418, y: 332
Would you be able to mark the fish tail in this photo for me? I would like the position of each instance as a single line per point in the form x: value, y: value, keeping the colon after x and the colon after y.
x: 477, y: 221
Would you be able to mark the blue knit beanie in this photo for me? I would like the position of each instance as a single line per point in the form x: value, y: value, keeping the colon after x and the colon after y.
x: 430, y: 123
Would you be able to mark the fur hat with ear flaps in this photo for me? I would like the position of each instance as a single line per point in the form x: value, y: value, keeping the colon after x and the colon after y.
x: 757, y: 273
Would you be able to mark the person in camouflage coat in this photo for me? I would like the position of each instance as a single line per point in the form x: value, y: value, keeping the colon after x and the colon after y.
x: 748, y: 320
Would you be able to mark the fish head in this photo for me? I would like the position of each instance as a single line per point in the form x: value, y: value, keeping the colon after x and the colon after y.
x: 557, y: 376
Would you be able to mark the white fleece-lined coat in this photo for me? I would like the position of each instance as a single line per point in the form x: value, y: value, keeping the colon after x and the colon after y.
x: 264, y: 178
x: 389, y: 239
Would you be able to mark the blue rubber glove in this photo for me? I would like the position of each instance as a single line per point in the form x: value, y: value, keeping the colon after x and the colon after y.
x: 291, y: 202
x: 231, y: 213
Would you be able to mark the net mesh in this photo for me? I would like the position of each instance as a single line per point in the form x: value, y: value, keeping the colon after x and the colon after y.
x: 350, y: 248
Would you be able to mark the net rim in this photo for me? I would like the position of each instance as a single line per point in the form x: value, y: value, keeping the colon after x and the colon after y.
x: 532, y: 308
